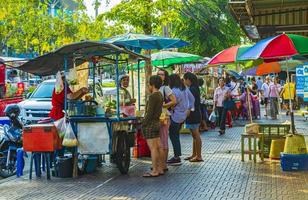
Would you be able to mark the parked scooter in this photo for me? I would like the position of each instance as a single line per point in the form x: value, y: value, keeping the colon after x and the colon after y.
x: 10, y: 141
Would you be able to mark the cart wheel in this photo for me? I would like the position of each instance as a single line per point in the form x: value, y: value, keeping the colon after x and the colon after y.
x: 122, y: 154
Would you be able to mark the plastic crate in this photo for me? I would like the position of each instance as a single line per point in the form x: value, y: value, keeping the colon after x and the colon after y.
x: 41, y: 138
x: 293, y: 162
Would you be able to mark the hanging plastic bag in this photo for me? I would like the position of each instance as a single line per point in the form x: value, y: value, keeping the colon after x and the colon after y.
x: 212, y: 117
x: 61, y: 127
x: 59, y: 83
x: 69, y: 139
x: 72, y: 77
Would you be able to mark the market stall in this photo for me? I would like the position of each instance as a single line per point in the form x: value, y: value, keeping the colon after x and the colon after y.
x: 91, y: 121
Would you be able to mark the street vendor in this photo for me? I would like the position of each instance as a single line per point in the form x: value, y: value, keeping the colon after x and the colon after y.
x: 58, y: 100
x: 125, y: 97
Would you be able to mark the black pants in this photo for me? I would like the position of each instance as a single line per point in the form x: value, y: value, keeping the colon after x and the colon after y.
x: 222, y: 115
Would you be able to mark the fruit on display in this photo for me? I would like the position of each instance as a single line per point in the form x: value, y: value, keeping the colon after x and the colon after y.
x: 70, y: 142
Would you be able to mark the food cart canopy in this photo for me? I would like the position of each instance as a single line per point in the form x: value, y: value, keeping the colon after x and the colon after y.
x: 80, y: 52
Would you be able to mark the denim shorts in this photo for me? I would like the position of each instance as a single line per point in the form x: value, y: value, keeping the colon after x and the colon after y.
x: 192, y: 126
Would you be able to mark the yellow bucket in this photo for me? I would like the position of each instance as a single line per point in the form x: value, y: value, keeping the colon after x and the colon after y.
x: 277, y: 146
x: 295, y: 144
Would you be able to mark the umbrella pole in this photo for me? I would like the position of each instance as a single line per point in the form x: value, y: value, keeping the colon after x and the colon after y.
x: 290, y: 101
x: 249, y: 105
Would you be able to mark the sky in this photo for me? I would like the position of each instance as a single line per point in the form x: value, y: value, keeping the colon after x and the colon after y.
x: 102, y: 8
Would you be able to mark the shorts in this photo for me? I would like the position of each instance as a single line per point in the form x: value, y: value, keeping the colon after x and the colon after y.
x: 192, y: 126
x: 163, y: 132
x: 151, y: 130
x: 286, y: 101
x: 266, y: 100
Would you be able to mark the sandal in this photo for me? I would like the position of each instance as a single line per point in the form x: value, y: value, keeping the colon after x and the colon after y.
x: 196, y: 160
x: 188, y: 158
x: 165, y: 170
x: 149, y: 175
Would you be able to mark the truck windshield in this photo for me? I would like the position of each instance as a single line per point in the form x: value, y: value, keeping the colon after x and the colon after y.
x: 43, y: 91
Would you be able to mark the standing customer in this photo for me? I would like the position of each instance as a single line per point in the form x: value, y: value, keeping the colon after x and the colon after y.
x: 194, y: 118
x: 178, y: 115
x: 274, y: 90
x: 150, y: 125
x: 259, y: 84
x: 220, y: 95
x: 288, y: 94
x: 265, y: 94
x: 169, y: 101
x: 204, y: 116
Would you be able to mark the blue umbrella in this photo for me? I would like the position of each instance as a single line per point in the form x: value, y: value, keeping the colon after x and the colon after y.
x: 234, y: 73
x: 136, y: 42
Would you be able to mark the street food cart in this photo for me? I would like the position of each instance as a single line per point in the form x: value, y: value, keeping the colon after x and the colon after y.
x: 91, y: 127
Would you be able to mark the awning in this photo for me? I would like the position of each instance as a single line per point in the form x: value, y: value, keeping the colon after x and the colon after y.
x: 265, y: 18
x: 51, y: 63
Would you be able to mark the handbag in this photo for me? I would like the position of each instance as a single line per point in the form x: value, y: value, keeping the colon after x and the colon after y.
x: 229, y: 104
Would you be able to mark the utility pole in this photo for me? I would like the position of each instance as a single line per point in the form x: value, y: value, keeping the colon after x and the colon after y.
x: 97, y: 4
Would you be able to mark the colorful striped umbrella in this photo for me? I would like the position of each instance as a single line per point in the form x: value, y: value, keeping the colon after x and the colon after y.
x: 280, y: 46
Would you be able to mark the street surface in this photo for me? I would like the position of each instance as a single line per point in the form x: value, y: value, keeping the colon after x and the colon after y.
x: 222, y: 175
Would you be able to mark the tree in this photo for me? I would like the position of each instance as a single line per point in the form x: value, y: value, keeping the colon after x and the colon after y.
x: 145, y: 16
x: 208, y: 26
x: 27, y: 26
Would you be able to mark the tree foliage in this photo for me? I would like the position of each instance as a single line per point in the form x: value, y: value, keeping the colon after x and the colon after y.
x: 208, y: 26
x: 27, y: 26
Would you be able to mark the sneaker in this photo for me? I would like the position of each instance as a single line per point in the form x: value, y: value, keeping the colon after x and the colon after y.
x: 174, y: 161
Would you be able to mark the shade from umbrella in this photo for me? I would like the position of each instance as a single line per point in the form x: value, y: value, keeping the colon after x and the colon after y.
x: 136, y: 42
x: 167, y: 58
x: 284, y: 45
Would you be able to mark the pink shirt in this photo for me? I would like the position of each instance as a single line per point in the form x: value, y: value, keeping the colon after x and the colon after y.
x: 219, y: 95
x: 274, y: 90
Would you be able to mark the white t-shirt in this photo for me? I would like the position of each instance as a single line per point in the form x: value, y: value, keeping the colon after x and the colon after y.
x: 265, y: 89
x: 165, y: 91
x: 234, y: 88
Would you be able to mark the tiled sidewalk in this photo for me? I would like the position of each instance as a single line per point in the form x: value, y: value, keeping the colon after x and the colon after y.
x: 222, y: 175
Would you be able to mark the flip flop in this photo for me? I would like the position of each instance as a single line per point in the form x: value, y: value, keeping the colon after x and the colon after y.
x: 188, y: 158
x: 165, y: 170
x: 196, y: 160
x: 149, y: 175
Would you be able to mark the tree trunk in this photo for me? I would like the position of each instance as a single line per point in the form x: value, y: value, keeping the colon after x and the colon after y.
x: 148, y: 73
x: 147, y: 29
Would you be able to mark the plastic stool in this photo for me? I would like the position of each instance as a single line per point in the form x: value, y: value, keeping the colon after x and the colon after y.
x: 36, y: 156
x: 253, y: 151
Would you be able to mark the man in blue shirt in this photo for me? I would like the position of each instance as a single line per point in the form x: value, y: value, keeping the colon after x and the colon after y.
x: 259, y: 84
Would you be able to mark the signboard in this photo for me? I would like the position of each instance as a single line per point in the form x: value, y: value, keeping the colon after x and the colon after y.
x: 300, y: 81
x: 305, y: 67
x: 193, y: 67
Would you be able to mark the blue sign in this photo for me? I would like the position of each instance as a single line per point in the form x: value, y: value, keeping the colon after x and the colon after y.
x: 300, y: 81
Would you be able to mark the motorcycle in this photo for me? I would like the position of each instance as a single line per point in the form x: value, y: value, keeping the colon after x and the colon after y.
x: 10, y: 141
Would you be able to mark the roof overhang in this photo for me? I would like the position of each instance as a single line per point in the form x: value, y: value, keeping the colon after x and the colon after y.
x: 263, y: 18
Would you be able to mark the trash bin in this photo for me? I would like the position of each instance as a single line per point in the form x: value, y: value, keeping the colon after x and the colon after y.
x: 64, y: 166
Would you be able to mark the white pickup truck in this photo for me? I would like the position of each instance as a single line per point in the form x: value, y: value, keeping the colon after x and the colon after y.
x: 38, y: 104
